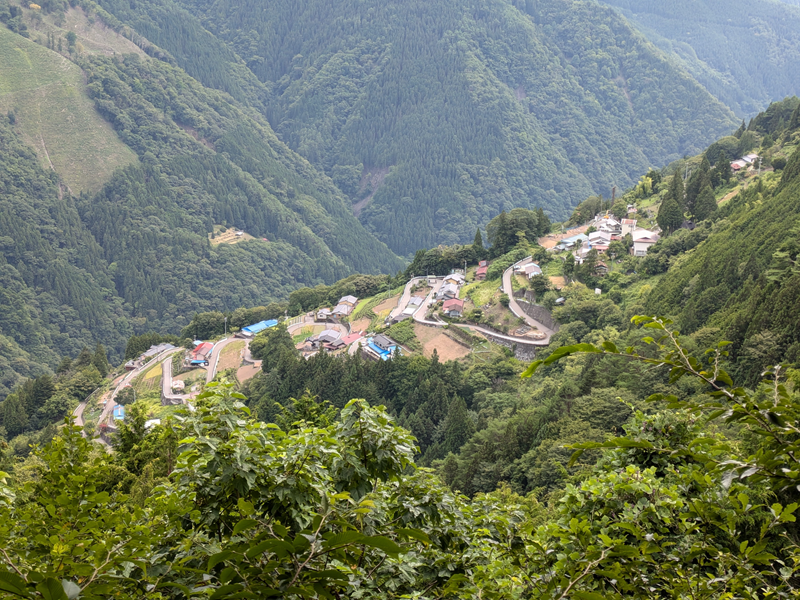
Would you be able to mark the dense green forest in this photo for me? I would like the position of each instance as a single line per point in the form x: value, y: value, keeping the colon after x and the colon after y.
x: 431, y: 107
x: 57, y: 294
x: 742, y: 51
x: 137, y: 256
x: 624, y: 462
x: 431, y: 117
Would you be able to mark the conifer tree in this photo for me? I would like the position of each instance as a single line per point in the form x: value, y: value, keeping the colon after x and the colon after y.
x: 676, y: 190
x: 699, y: 180
x: 705, y: 204
x: 459, y: 427
x: 794, y: 122
x: 100, y: 360
x: 669, y: 216
x: 478, y: 242
x: 723, y: 167
x: 740, y: 131
x: 13, y: 415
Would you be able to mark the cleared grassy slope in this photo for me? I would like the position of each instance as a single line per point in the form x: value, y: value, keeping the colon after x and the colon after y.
x: 55, y: 116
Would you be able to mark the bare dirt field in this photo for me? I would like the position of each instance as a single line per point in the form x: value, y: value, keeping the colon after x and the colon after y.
x: 558, y: 281
x: 550, y: 240
x: 247, y: 372
x: 231, y: 356
x: 384, y: 308
x: 432, y: 339
x: 360, y: 325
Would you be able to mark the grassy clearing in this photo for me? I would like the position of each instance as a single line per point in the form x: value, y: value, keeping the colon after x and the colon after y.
x: 481, y: 293
x: 227, y: 236
x: 55, y: 116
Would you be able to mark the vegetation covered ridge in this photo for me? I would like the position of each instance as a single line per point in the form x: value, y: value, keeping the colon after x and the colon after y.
x: 431, y: 119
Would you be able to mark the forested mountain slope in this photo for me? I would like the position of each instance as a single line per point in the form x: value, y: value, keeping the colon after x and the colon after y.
x: 434, y: 116
x: 56, y: 293
x: 132, y: 252
x: 744, y: 52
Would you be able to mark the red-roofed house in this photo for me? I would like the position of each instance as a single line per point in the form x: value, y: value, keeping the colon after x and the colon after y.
x: 453, y: 308
x: 353, y: 337
x: 480, y: 273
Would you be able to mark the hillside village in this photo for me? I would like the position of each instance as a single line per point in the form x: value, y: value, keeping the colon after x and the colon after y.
x: 457, y: 316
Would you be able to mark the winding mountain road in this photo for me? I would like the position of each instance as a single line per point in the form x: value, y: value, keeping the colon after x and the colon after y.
x: 514, y: 306
x: 418, y: 316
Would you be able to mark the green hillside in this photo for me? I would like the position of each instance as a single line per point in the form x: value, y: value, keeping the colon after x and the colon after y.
x: 46, y: 93
x: 743, y: 51
x: 128, y: 250
x: 432, y: 118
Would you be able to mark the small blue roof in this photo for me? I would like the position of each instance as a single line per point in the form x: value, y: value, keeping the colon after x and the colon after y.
x: 119, y: 412
x: 261, y: 326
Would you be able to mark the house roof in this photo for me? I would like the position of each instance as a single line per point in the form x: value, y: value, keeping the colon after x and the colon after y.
x: 384, y: 342
x: 483, y: 263
x: 260, y: 326
x: 448, y: 288
x: 453, y: 303
x: 324, y: 311
x: 640, y: 234
x: 350, y: 299
x: 481, y: 270
x: 329, y: 335
x: 342, y: 309
x: 532, y: 268
x: 629, y: 221
x: 353, y: 337
x: 153, y: 350
x: 203, y: 349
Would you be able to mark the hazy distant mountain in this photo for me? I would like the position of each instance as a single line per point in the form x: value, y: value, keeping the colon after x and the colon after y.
x: 745, y: 52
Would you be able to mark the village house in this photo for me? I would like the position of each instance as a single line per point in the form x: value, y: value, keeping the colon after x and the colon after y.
x: 455, y: 279
x: 607, y: 223
x: 447, y: 291
x: 532, y: 270
x: 453, y: 308
x: 628, y: 227
x: 380, y: 347
x: 480, y: 272
x: 750, y: 158
x: 738, y: 165
x: 324, y: 314
x: 642, y: 240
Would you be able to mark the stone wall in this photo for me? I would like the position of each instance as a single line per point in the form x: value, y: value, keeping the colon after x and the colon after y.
x: 540, y: 313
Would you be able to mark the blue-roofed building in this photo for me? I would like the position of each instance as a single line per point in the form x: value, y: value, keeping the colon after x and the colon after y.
x: 119, y: 412
x: 251, y: 330
x: 381, y: 347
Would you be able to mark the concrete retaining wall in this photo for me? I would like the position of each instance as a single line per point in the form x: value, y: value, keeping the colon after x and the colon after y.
x: 540, y: 313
